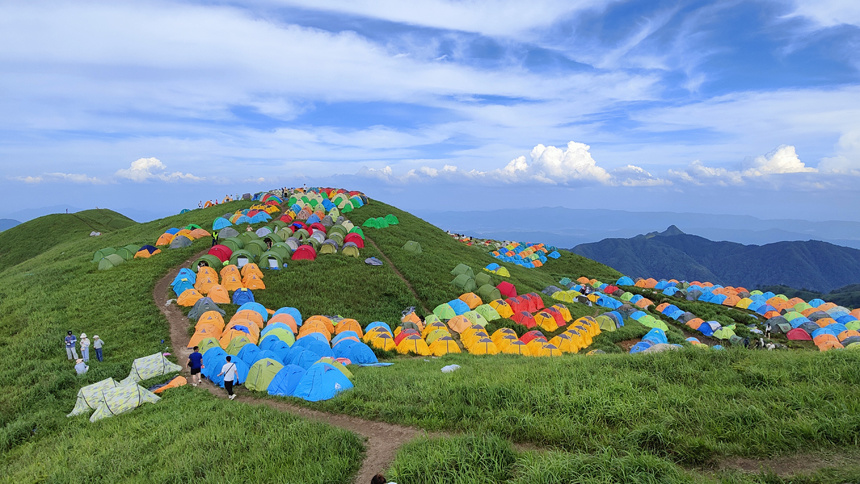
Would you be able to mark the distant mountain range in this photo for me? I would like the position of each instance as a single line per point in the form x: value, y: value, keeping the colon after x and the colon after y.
x: 7, y: 223
x: 811, y: 265
x: 567, y: 227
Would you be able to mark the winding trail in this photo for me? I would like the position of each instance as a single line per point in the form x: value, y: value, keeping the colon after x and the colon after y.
x: 382, y: 439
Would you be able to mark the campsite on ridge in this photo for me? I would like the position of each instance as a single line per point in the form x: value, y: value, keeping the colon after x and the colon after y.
x: 478, y: 311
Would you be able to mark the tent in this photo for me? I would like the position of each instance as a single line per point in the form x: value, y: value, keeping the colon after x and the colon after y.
x: 179, y: 242
x: 412, y: 247
x: 285, y: 381
x: 462, y: 269
x: 261, y: 373
x: 90, y: 396
x: 464, y: 282
x: 322, y: 381
x: 110, y: 261
x: 122, y: 399
x: 507, y: 289
x: 149, y: 367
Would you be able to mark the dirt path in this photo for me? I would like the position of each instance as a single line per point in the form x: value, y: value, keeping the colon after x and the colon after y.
x: 394, y: 268
x: 383, y: 439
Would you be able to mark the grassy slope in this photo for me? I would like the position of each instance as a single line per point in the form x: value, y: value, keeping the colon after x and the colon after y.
x: 38, y: 235
x: 684, y: 407
x: 61, y: 289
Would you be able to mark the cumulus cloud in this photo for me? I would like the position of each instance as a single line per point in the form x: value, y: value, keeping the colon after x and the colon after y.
x: 59, y: 177
x: 550, y: 164
x: 781, y: 161
x: 636, y: 176
x: 145, y: 169
x: 847, y: 159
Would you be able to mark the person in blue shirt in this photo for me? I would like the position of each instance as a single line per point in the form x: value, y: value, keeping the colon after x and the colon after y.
x: 71, y: 352
x: 195, y: 364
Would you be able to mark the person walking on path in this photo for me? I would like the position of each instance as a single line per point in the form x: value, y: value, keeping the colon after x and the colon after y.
x: 229, y: 372
x: 214, y: 238
x: 85, y: 347
x: 195, y: 364
x: 97, y: 345
x: 71, y: 353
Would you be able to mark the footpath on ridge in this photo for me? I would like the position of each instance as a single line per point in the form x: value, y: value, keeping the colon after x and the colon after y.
x: 399, y: 274
x: 384, y: 439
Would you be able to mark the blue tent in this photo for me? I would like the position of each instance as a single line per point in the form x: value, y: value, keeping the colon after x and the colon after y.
x: 312, y: 219
x: 670, y: 291
x: 845, y: 318
x: 816, y: 302
x: 624, y: 281
x: 637, y: 315
x: 655, y: 336
x: 185, y: 273
x: 321, y: 348
x: 358, y: 353
x: 220, y: 223
x: 214, y: 367
x: 301, y: 356
x: 284, y: 383
x: 322, y: 381
x: 608, y: 302
x: 554, y: 255
x: 492, y: 267
x: 261, y: 217
x: 182, y: 286
x: 636, y: 298
x: 244, y: 219
x: 305, y: 340
x: 248, y: 353
x: 459, y: 306
x: 242, y: 296
x: 263, y: 354
x: 345, y: 334
x: 255, y: 306
x: 297, y: 316
x: 172, y: 231
x: 708, y: 327
x: 615, y: 316
x: 641, y: 346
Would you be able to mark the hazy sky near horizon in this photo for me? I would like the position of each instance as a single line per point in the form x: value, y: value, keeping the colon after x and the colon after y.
x: 732, y: 107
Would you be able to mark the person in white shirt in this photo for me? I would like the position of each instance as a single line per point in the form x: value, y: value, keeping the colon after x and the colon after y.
x: 229, y: 372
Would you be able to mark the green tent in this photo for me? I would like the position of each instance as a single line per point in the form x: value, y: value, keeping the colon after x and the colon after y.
x: 488, y: 312
x: 475, y: 317
x: 125, y: 253
x: 350, y: 250
x: 565, y: 281
x: 328, y: 249
x: 234, y: 243
x: 626, y: 296
x: 357, y: 230
x: 412, y: 247
x: 248, y: 236
x: 234, y: 259
x: 371, y: 222
x: 282, y: 249
x: 483, y: 278
x: 606, y: 323
x: 431, y: 319
x: 256, y: 247
x: 110, y: 261
x: 261, y: 374
x: 391, y: 219
x: 463, y: 269
x: 443, y: 312
x: 150, y: 366
x: 90, y: 396
x: 464, y: 282
x: 282, y: 334
x: 337, y: 229
x: 236, y: 344
x: 488, y: 292
x: 102, y: 253
x: 206, y: 344
x: 301, y: 234
x: 271, y: 260
x: 724, y: 333
x: 207, y: 260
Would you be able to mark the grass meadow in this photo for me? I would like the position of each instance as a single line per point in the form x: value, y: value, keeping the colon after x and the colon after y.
x: 604, y: 418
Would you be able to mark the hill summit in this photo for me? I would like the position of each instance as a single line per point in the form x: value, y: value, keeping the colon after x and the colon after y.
x: 673, y: 254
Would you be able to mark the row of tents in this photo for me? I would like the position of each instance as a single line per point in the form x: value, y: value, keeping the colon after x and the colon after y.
x: 526, y: 255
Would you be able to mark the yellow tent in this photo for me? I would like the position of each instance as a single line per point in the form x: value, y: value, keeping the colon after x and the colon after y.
x: 444, y: 345
x: 517, y: 347
x: 502, y: 307
x: 413, y: 345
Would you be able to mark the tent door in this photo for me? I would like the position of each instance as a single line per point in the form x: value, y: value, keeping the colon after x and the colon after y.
x: 241, y: 261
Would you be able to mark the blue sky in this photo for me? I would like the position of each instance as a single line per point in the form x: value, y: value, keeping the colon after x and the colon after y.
x: 731, y: 107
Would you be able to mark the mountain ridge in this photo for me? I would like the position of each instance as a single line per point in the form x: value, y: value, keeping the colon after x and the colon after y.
x: 672, y: 254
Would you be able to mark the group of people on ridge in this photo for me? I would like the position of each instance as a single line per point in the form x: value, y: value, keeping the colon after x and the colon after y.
x: 71, y: 340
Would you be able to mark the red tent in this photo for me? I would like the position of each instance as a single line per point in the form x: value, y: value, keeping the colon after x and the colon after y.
x: 305, y: 252
x: 404, y: 333
x: 798, y: 334
x: 354, y: 237
x: 507, y: 289
x: 525, y: 318
x: 532, y: 335
x: 518, y: 304
x: 556, y: 315
x: 318, y: 226
x: 222, y: 252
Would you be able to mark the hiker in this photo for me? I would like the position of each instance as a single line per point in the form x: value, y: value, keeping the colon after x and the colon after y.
x: 214, y: 238
x: 380, y: 479
x: 81, y: 367
x: 229, y: 372
x: 71, y: 353
x: 85, y: 347
x: 249, y: 229
x: 269, y: 243
x: 200, y: 204
x: 97, y: 345
x: 195, y: 364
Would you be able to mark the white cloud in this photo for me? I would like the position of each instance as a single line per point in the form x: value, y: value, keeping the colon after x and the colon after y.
x: 847, y: 159
x: 550, y: 164
x: 145, y: 169
x: 828, y: 13
x: 59, y: 177
x: 781, y: 161
x: 636, y: 176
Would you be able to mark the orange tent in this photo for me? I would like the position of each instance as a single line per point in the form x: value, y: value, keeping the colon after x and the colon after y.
x: 219, y: 295
x: 348, y: 325
x: 188, y: 298
x: 207, y: 330
x: 695, y: 323
x: 251, y: 268
x: 253, y: 329
x: 286, y: 319
x: 329, y: 326
x: 176, y: 382
x: 471, y: 299
x: 205, y: 282
x: 231, y: 281
x: 211, y: 317
x: 251, y: 315
x: 644, y: 303
x: 253, y: 281
x: 458, y: 323
x: 165, y: 239
x: 231, y: 333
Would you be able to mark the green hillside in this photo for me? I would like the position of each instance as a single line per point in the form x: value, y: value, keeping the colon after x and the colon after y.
x: 32, y: 238
x: 667, y: 417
